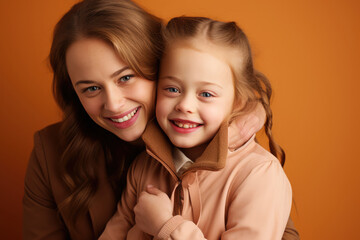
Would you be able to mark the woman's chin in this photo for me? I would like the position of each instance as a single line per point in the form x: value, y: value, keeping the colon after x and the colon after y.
x: 130, y: 138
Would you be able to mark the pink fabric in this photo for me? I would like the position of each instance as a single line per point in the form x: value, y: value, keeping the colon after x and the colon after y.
x: 249, y: 197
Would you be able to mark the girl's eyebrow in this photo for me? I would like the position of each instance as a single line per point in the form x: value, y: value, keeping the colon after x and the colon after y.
x: 170, y: 77
x: 112, y: 76
x: 199, y: 83
x: 210, y: 83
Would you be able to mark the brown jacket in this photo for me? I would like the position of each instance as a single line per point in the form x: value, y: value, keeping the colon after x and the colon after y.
x: 44, y: 191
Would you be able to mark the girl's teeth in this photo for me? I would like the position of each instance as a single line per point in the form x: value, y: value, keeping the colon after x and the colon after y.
x: 126, y: 118
x: 185, y: 125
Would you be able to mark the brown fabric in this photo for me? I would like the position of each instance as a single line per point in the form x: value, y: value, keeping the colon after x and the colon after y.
x: 159, y: 146
x: 44, y: 191
x: 290, y: 232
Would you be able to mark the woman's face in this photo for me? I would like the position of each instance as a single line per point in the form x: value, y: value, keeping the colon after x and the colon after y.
x: 110, y: 92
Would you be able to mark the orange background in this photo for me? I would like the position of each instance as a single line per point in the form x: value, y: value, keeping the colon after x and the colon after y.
x: 310, y: 50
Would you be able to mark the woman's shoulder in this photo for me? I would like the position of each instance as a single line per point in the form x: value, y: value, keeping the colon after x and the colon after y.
x: 48, y: 137
x: 50, y: 131
x: 46, y: 151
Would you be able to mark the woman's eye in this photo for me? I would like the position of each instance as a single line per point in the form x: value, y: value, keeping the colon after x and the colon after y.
x: 91, y: 89
x: 126, y: 78
x: 206, y: 94
x: 173, y: 90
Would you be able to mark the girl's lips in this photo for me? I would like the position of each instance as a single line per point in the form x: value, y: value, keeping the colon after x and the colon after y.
x: 184, y: 126
x: 126, y: 119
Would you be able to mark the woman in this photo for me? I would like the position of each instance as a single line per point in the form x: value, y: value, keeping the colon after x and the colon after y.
x: 105, y: 56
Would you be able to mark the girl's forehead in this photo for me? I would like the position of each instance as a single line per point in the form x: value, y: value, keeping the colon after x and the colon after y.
x: 194, y: 66
x: 232, y: 55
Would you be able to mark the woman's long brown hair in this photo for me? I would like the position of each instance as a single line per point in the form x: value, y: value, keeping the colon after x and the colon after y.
x: 251, y: 86
x: 136, y: 36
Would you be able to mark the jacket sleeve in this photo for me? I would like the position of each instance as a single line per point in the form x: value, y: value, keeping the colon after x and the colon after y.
x: 259, y: 208
x: 290, y: 231
x: 122, y: 223
x: 40, y: 217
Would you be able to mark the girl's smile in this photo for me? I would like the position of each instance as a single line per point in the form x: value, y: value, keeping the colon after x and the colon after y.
x: 184, y: 126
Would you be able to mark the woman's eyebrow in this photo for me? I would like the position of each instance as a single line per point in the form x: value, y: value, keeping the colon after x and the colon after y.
x: 119, y: 71
x: 112, y: 75
x: 84, y: 82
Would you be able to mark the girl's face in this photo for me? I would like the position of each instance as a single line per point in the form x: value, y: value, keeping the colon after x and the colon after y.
x: 195, y: 95
x: 110, y: 92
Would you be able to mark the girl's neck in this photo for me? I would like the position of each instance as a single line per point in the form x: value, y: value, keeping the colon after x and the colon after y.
x: 194, y: 152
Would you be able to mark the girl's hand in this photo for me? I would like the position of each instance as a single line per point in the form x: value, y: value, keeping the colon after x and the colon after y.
x: 243, y: 127
x: 153, y: 210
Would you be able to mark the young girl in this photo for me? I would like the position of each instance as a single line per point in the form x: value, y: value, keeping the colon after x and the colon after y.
x: 198, y: 189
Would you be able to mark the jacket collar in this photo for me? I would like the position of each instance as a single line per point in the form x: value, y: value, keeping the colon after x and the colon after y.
x: 159, y: 146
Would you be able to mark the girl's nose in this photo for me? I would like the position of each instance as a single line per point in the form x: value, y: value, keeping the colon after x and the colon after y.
x: 186, y: 104
x: 114, y: 101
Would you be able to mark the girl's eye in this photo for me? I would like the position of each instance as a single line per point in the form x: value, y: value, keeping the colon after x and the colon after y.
x: 206, y: 94
x: 172, y: 89
x: 126, y: 78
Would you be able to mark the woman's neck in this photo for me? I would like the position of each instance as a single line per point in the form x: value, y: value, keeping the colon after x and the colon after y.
x: 137, y: 143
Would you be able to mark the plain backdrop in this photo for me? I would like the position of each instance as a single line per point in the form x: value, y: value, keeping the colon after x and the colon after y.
x: 310, y: 51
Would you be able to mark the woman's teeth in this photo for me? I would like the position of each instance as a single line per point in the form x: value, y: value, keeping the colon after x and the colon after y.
x: 125, y: 118
x: 186, y: 125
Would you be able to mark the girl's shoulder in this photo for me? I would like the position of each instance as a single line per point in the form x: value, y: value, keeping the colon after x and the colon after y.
x: 251, y: 154
x: 255, y: 163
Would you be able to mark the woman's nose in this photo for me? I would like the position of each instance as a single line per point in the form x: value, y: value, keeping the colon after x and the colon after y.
x: 114, y: 101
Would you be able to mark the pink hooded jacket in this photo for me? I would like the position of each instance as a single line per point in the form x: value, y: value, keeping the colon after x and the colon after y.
x: 243, y: 194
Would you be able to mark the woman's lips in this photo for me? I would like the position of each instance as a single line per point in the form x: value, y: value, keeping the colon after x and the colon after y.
x: 126, y: 117
x: 125, y: 120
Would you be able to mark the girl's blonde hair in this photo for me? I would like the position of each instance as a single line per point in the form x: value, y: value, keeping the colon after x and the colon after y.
x: 136, y: 37
x: 251, y: 86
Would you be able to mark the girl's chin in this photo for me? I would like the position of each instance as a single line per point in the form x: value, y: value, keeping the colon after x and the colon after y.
x: 183, y: 145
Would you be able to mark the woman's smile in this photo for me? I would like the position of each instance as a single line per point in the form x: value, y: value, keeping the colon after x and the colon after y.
x: 125, y: 120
